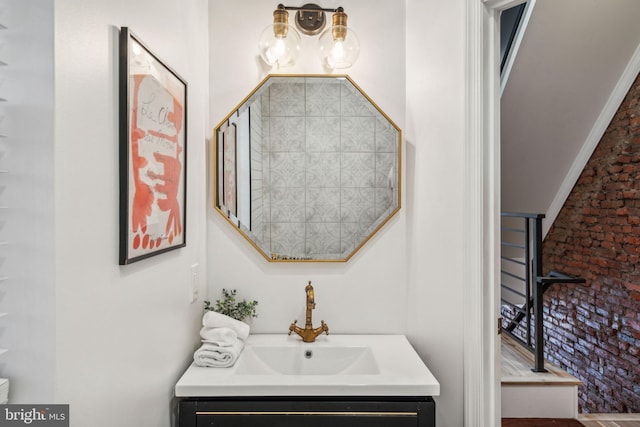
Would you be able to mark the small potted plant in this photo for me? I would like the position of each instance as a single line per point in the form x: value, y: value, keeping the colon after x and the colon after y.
x: 227, y: 305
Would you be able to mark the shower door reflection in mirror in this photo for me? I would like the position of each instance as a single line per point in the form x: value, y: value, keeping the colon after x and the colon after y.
x: 307, y: 168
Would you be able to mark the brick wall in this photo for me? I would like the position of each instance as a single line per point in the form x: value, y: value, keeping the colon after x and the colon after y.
x: 593, y: 330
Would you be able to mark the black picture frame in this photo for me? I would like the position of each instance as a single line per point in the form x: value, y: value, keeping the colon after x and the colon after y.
x: 152, y: 153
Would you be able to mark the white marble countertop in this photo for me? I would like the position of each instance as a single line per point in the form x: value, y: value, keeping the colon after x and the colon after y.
x: 400, y: 371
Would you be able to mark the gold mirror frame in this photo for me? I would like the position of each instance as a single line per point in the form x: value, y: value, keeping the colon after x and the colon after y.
x: 242, y: 125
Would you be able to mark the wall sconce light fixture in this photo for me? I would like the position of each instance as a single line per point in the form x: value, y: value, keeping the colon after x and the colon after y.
x: 338, y: 46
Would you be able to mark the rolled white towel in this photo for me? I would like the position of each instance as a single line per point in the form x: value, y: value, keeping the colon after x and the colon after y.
x: 213, y: 319
x: 224, y: 337
x: 214, y: 356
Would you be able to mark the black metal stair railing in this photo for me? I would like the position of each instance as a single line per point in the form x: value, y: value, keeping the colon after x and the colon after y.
x: 522, y: 281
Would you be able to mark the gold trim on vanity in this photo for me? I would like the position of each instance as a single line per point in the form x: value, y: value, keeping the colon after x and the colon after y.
x: 351, y: 414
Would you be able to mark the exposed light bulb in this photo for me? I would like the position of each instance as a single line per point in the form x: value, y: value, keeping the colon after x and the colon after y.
x: 276, y: 51
x: 339, y: 46
x: 279, y: 44
x: 339, y: 52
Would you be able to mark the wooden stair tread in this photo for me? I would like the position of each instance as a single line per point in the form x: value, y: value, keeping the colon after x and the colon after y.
x: 602, y: 420
x: 517, y: 362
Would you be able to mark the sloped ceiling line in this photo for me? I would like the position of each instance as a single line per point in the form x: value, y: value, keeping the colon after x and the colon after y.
x: 573, y: 68
x: 516, y: 43
x: 595, y: 135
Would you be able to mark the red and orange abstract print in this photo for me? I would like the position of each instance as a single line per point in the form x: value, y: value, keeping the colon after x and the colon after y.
x: 157, y: 159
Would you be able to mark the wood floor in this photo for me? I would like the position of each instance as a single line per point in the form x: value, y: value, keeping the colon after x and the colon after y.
x: 516, y: 369
x: 552, y: 394
x: 611, y: 423
x: 517, y: 363
x: 597, y: 420
x: 610, y: 420
x: 540, y: 422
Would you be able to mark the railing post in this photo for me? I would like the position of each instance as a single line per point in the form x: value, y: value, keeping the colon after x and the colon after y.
x: 538, y: 285
x: 538, y: 328
x: 537, y: 297
x: 527, y: 284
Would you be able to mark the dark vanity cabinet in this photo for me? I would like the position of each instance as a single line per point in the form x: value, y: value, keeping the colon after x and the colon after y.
x: 307, y: 412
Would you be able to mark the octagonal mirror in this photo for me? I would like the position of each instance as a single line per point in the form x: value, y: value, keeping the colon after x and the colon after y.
x: 307, y: 168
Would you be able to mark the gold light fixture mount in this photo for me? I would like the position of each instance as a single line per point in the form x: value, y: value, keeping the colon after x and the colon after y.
x: 280, y: 44
x: 339, y: 28
x: 280, y: 22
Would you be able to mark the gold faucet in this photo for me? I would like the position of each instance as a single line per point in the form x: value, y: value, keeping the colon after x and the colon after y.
x: 309, y: 334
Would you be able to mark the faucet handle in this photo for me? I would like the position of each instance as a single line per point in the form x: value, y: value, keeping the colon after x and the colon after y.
x: 324, y: 327
x: 292, y: 327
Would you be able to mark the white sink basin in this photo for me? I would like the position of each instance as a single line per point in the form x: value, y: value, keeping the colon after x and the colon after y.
x: 338, y: 365
x: 296, y: 360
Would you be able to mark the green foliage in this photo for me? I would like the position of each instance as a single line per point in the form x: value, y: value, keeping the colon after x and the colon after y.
x: 227, y: 305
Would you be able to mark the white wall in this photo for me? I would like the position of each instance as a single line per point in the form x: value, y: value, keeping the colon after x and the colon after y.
x: 124, y: 334
x: 408, y: 278
x: 352, y: 297
x: 435, y: 141
x: 28, y: 331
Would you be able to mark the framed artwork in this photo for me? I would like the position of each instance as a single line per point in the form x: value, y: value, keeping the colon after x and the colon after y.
x: 153, y: 153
